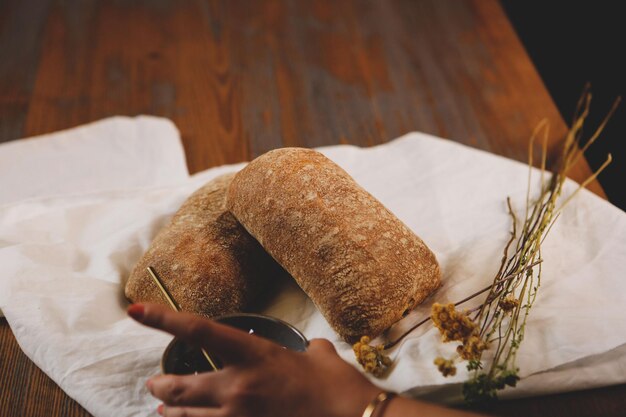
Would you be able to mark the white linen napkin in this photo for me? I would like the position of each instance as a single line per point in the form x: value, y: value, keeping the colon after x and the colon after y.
x: 113, y: 153
x: 65, y: 261
x: 118, y: 152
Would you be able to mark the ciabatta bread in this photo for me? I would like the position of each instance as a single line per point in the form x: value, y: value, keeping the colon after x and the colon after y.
x: 359, y: 263
x: 205, y: 258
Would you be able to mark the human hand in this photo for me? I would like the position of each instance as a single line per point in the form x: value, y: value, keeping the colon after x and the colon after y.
x: 259, y: 377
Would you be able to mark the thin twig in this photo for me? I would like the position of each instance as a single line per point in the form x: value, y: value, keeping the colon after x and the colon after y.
x: 394, y: 342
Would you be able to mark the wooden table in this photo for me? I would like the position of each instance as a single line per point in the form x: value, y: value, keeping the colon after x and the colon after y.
x: 241, y: 77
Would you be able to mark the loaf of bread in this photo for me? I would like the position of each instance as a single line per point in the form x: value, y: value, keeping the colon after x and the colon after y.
x: 361, y: 266
x: 205, y: 258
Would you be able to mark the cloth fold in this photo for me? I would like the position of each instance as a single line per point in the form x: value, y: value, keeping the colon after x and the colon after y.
x: 113, y: 153
x: 65, y: 260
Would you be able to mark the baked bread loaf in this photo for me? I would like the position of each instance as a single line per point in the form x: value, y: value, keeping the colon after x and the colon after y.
x: 360, y: 264
x: 205, y: 258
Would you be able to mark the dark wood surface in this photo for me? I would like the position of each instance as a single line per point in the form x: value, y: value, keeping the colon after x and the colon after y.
x: 241, y: 77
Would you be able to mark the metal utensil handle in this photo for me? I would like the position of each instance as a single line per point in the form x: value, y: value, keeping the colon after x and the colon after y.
x: 176, y: 307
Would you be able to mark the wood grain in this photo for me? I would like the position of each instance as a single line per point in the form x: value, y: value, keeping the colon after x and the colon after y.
x: 239, y: 78
x: 24, y: 389
x: 21, y: 26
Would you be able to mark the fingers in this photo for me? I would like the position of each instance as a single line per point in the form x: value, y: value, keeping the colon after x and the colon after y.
x: 321, y: 345
x: 201, y: 390
x: 168, y: 411
x: 229, y: 344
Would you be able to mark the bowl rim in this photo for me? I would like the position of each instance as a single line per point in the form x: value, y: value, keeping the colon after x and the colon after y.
x: 170, y: 345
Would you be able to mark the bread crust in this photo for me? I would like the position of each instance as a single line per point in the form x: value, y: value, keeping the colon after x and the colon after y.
x: 206, y: 259
x: 359, y: 263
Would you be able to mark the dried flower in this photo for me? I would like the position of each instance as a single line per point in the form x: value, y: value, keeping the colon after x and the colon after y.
x: 452, y: 324
x: 445, y: 366
x: 502, y: 317
x: 472, y: 348
x: 372, y: 358
x: 505, y: 320
x: 457, y: 326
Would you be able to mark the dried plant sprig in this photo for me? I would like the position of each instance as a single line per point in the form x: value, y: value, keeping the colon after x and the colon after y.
x: 393, y: 343
x: 502, y: 318
x: 500, y: 321
x: 372, y: 358
x: 445, y: 366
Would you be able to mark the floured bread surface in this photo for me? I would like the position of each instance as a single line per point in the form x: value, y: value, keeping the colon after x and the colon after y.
x: 360, y: 264
x: 205, y: 258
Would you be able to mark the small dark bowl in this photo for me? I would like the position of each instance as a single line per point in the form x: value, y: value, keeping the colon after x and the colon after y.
x: 180, y: 358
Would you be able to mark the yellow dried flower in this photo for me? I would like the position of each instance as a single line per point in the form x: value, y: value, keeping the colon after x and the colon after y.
x: 452, y: 324
x: 472, y: 348
x: 445, y: 366
x: 457, y: 326
x: 372, y: 358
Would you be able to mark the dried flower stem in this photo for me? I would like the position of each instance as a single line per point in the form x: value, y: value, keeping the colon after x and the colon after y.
x: 499, y: 323
x: 506, y: 332
x: 394, y: 342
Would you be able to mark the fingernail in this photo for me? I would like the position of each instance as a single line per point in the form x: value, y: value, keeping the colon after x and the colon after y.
x: 136, y: 311
x: 160, y: 409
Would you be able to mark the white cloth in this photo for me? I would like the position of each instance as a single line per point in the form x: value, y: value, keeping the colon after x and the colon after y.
x: 64, y: 262
x: 118, y: 152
